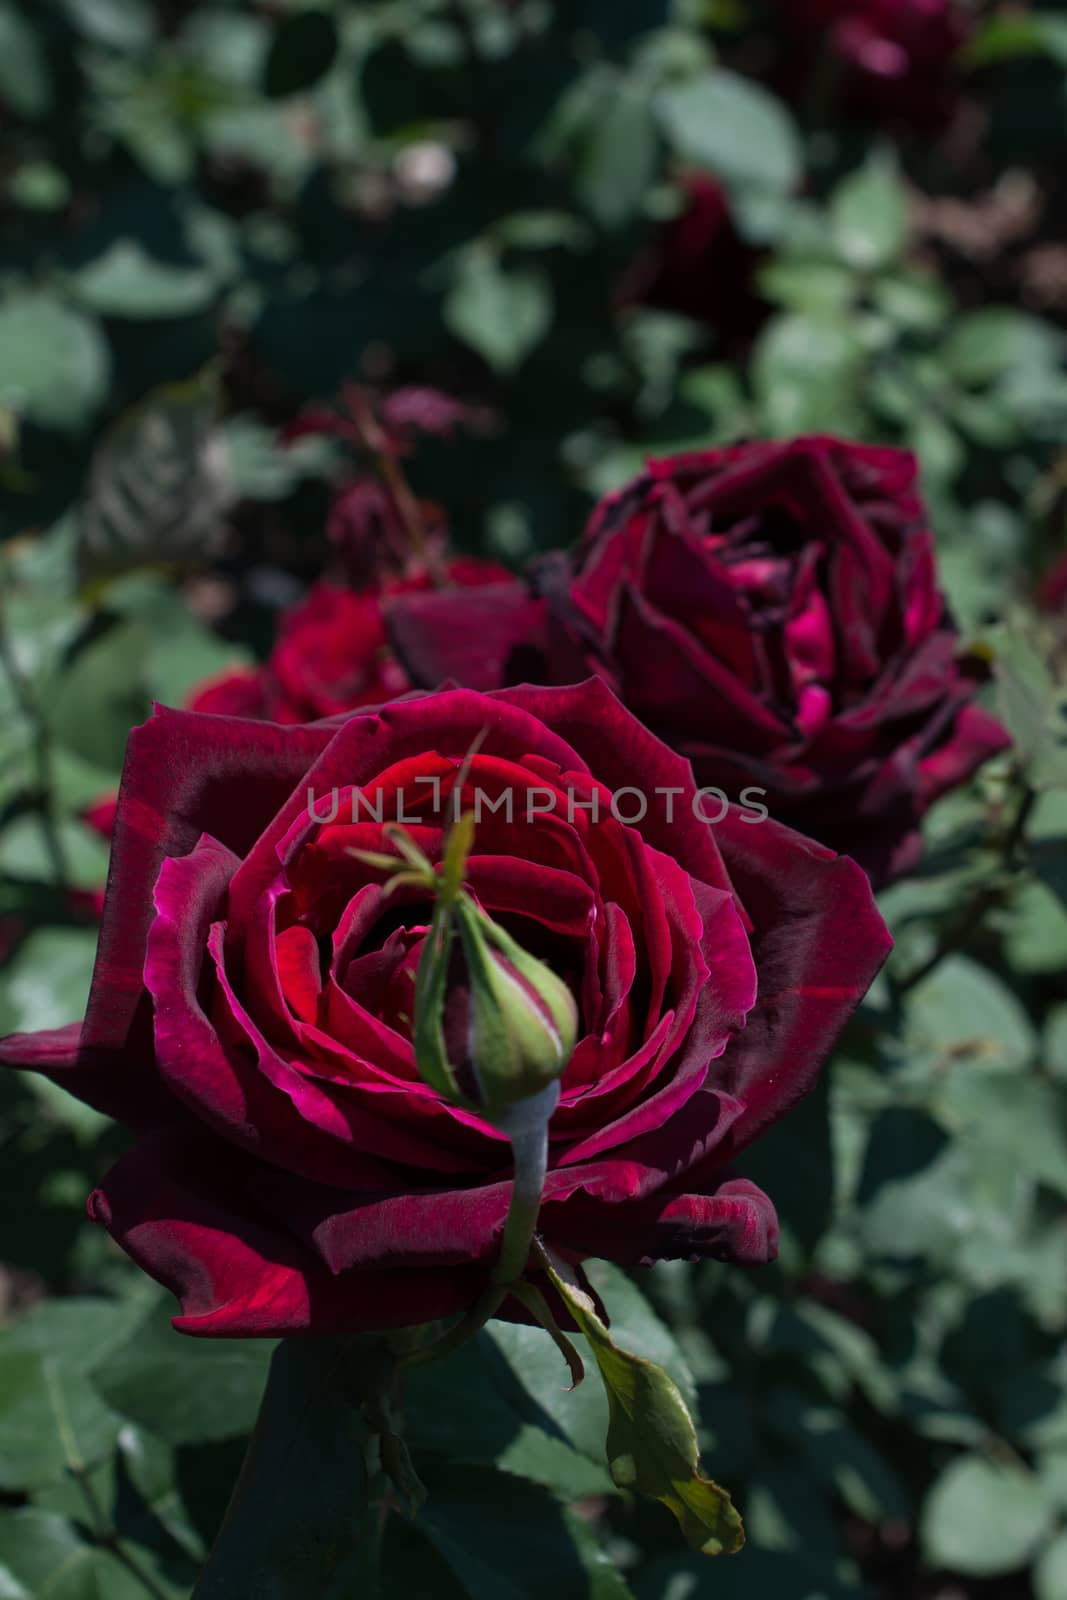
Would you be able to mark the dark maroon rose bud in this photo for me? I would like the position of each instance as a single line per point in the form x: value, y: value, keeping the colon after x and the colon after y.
x: 699, y: 266
x: 1052, y: 590
x: 769, y: 610
x: 373, y: 542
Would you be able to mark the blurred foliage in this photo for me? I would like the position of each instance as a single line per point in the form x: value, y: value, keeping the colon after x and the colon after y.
x: 212, y: 216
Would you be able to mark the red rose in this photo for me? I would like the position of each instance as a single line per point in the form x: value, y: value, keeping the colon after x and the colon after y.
x: 699, y: 266
x: 897, y: 55
x: 239, y: 692
x: 1052, y: 590
x: 772, y: 612
x: 332, y: 653
x: 250, y: 1014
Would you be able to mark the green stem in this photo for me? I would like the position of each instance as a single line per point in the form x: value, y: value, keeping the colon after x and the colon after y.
x: 527, y: 1128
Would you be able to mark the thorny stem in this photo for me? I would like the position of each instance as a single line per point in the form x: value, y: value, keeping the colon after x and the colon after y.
x: 373, y: 438
x: 44, y: 797
x: 107, y: 1536
x: 104, y: 1531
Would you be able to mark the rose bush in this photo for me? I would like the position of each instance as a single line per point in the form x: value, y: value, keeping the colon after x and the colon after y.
x: 250, y: 1012
x: 769, y: 610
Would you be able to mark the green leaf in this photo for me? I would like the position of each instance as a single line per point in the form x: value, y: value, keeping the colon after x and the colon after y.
x: 982, y: 1519
x: 738, y: 131
x: 125, y: 25
x: 127, y: 282
x: 77, y: 1331
x: 1035, y: 931
x: 297, y: 1522
x: 54, y: 361
x: 1008, y: 36
x: 47, y: 984
x: 1002, y: 1115
x: 963, y: 1013
x: 479, y: 1408
x: 807, y: 285
x: 303, y: 50
x: 184, y: 1390
x: 985, y: 344
x: 35, y: 1546
x: 103, y: 695
x: 25, y: 79
x: 652, y: 1443
x: 1055, y: 1042
x: 50, y: 1420
x: 805, y: 371
x: 501, y: 314
x: 478, y: 1520
x: 154, y: 1469
x: 615, y: 162
x: 868, y: 218
x: 1050, y: 1571
x: 25, y: 856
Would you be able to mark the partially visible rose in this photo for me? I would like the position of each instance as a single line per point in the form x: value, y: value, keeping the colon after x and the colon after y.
x: 12, y: 929
x: 896, y: 56
x: 238, y: 692
x: 699, y: 266
x: 100, y: 817
x: 1052, y: 590
x: 250, y: 1012
x: 331, y: 654
x: 769, y: 610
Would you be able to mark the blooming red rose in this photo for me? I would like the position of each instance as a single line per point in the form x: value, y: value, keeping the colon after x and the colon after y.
x: 250, y: 1013
x: 897, y: 55
x: 699, y: 266
x: 332, y: 653
x: 771, y: 611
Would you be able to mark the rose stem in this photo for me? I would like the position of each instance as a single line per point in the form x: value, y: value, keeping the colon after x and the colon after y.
x: 527, y: 1128
x: 375, y: 442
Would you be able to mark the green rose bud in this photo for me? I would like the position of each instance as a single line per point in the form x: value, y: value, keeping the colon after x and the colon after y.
x: 494, y: 1027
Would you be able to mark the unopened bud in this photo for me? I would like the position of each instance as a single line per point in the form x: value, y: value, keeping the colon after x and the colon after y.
x: 493, y: 1025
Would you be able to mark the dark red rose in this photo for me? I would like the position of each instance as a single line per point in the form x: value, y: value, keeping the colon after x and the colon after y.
x: 896, y: 55
x: 100, y: 817
x: 772, y: 612
x: 332, y: 653
x: 699, y: 266
x: 1052, y: 590
x: 250, y: 1013
x: 12, y: 929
